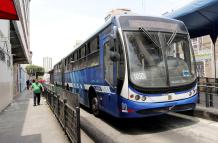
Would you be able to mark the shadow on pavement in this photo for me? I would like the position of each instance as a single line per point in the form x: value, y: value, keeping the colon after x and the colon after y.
x: 147, y: 125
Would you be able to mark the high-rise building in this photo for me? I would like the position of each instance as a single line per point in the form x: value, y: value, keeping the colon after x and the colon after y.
x: 47, y: 63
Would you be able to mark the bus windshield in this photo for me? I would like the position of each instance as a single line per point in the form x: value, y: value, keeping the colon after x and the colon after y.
x: 159, y: 59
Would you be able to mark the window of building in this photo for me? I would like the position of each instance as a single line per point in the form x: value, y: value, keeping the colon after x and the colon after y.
x: 194, y: 40
x: 195, y: 47
x: 206, y: 43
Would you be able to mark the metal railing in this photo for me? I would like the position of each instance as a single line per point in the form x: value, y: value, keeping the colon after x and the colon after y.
x: 65, y: 106
x: 208, y: 92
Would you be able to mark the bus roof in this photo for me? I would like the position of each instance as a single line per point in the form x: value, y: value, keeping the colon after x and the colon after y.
x: 134, y: 22
x: 125, y: 16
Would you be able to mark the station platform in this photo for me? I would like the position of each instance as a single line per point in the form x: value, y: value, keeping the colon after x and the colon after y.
x: 21, y: 122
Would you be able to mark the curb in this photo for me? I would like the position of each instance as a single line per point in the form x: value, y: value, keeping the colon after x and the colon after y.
x: 94, y: 133
x: 206, y: 113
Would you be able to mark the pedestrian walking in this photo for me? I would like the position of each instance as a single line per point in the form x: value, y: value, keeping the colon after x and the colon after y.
x: 37, y: 90
x: 28, y: 84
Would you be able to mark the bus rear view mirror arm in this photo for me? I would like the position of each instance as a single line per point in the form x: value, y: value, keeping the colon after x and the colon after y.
x: 114, y: 32
x: 112, y: 45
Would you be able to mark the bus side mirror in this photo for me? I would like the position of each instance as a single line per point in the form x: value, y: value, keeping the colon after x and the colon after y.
x: 114, y: 56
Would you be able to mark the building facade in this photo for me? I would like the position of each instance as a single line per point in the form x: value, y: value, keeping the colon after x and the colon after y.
x: 204, y: 55
x: 14, y: 50
x: 47, y: 64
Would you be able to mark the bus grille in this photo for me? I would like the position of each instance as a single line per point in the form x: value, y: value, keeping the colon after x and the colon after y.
x: 166, y: 109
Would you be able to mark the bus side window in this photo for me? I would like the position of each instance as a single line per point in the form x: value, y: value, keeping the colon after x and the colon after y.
x: 74, y: 65
x: 88, y: 51
x: 108, y: 64
x: 93, y: 58
x: 83, y: 60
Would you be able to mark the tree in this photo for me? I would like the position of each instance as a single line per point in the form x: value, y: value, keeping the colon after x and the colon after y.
x: 35, y: 70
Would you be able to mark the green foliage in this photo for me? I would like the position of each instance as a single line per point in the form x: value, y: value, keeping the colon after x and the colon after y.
x: 35, y: 70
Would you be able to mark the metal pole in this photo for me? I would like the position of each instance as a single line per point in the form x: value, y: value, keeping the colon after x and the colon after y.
x: 206, y: 94
x: 198, y: 90
x: 214, y: 51
x: 210, y: 91
x: 211, y: 100
x: 78, y: 124
x: 65, y: 118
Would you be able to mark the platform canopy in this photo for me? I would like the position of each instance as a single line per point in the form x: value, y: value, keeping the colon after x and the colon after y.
x: 200, y: 17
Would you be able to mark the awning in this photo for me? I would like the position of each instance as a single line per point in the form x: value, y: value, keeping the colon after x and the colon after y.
x: 8, y: 10
x: 200, y: 17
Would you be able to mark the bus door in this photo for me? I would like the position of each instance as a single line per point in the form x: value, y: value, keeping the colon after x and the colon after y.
x: 109, y: 66
x: 110, y: 73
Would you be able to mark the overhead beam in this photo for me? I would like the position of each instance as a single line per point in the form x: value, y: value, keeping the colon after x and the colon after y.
x: 19, y: 60
x: 16, y: 46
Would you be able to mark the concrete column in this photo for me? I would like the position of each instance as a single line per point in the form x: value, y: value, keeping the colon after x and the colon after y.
x: 16, y: 80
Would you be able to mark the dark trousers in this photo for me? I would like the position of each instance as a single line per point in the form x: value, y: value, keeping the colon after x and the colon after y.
x: 36, y: 97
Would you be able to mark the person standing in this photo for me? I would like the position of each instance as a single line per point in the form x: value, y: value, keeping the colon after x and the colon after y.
x: 37, y: 90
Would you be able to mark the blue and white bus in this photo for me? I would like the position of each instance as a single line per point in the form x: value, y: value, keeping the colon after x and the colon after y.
x: 134, y: 66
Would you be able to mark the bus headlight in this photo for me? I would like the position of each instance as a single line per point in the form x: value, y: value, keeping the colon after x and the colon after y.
x: 131, y: 96
x: 190, y: 93
x: 194, y: 91
x: 137, y: 97
x: 144, y: 98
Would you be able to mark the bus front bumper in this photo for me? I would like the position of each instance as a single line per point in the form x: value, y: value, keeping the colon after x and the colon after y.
x: 140, y: 109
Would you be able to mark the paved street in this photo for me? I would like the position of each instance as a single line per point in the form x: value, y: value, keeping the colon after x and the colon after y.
x: 172, y: 128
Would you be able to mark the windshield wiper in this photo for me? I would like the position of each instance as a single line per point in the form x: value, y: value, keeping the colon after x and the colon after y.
x: 148, y: 35
x: 172, y: 37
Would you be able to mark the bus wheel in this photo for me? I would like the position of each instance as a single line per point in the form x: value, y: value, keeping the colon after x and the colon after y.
x: 95, y: 106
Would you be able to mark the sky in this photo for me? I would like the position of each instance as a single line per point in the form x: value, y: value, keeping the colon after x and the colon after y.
x: 56, y: 25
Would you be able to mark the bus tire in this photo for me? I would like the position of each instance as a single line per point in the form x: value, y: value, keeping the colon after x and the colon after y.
x: 95, y: 106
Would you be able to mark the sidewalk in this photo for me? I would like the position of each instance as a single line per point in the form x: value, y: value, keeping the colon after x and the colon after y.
x: 21, y: 122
